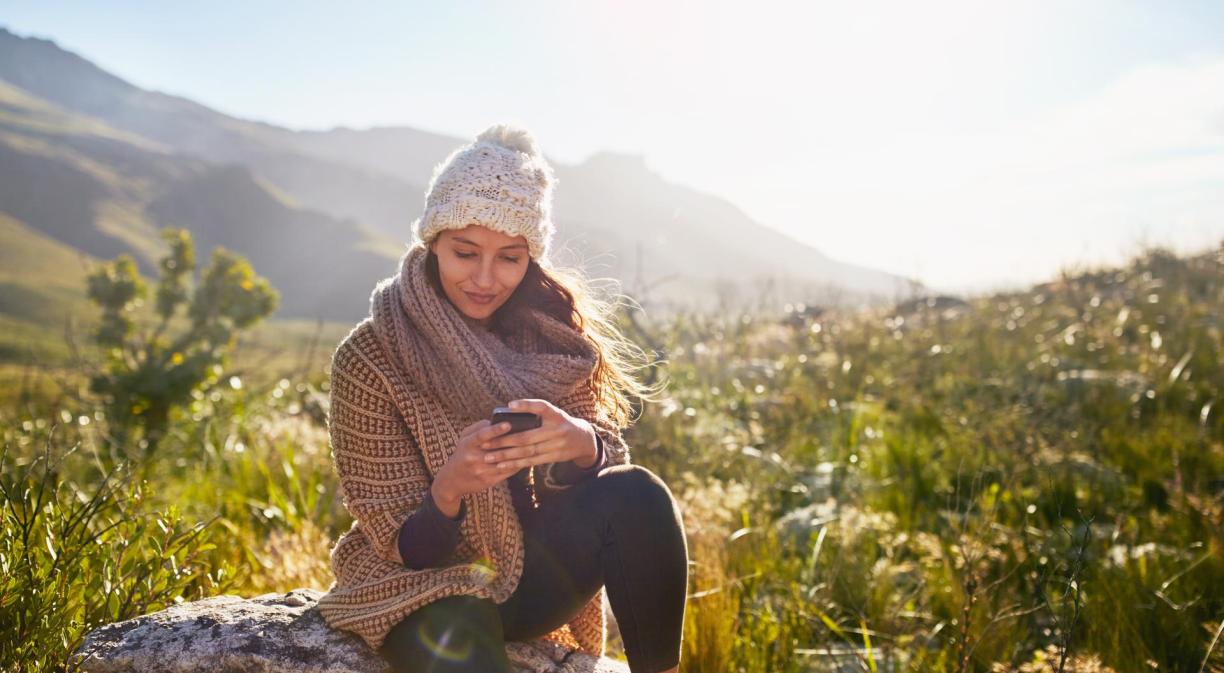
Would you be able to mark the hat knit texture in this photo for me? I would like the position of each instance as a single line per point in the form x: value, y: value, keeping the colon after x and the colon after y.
x: 501, y: 181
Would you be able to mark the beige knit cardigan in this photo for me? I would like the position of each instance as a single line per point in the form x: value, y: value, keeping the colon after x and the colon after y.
x: 389, y: 436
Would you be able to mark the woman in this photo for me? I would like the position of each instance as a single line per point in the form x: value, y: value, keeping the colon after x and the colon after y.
x: 467, y: 536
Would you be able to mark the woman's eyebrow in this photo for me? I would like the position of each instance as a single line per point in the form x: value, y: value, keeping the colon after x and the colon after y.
x: 470, y: 242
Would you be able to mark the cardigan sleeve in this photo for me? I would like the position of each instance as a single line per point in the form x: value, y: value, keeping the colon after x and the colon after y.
x: 428, y: 536
x: 615, y: 448
x: 383, y: 478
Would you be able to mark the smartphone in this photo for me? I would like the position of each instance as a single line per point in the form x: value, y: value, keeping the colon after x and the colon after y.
x: 518, y: 420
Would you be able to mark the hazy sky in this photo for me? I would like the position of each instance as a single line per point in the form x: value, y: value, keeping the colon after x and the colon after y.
x: 970, y: 144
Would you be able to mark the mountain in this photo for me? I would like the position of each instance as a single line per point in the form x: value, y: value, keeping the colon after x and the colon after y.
x: 658, y: 229
x: 73, y: 84
x: 98, y: 164
x: 84, y: 185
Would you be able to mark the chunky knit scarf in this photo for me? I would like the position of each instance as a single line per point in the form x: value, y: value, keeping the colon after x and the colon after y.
x: 468, y: 367
x: 405, y: 381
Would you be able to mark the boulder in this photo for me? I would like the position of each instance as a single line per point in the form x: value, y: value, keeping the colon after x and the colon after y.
x: 272, y: 633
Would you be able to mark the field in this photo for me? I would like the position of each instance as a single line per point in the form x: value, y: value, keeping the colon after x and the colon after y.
x: 1030, y: 481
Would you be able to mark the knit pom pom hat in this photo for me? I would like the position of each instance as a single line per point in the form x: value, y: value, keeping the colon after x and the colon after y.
x: 500, y: 181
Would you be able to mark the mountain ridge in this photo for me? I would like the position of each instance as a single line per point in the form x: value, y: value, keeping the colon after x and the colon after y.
x: 369, y: 184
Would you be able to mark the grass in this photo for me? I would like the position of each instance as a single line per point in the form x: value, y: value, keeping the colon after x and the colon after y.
x: 987, y: 480
x: 1025, y: 481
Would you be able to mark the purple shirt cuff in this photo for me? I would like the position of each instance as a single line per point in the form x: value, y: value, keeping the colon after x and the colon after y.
x: 428, y: 535
x: 568, y: 472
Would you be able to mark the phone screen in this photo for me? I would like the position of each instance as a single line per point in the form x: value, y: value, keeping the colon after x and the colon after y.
x: 518, y: 420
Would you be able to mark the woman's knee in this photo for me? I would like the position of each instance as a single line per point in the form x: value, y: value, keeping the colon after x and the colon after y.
x: 633, y: 490
x: 459, y: 633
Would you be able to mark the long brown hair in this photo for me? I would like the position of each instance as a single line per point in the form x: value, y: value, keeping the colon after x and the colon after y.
x: 565, y: 294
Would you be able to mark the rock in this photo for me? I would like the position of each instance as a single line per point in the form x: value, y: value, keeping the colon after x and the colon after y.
x: 272, y: 633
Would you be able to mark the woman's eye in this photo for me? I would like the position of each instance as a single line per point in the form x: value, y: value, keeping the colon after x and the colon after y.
x: 469, y: 255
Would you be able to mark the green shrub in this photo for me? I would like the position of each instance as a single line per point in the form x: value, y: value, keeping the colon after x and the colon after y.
x: 74, y: 557
x: 148, y: 374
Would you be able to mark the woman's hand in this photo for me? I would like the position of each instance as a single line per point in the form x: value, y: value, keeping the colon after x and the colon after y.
x: 466, y: 471
x: 559, y: 438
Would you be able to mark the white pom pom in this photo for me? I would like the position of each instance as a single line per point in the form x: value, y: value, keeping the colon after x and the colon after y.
x: 511, y: 137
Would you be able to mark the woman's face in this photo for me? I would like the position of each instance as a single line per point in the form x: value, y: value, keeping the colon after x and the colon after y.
x: 479, y: 268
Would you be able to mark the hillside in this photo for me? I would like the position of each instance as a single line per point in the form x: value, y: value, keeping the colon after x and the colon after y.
x: 105, y: 192
x: 74, y: 84
x: 42, y: 285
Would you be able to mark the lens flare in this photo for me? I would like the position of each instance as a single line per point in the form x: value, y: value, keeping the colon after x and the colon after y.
x: 484, y: 569
x: 442, y: 646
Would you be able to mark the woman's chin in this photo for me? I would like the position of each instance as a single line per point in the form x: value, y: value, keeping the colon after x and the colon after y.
x: 480, y: 311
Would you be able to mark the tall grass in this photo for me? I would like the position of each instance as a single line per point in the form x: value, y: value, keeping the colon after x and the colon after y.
x: 78, y: 555
x: 987, y: 480
x: 1026, y: 481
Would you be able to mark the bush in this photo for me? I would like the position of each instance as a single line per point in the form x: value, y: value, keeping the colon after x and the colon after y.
x: 75, y: 557
x: 148, y: 374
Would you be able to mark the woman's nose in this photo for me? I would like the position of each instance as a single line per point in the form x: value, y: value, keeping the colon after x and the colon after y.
x: 484, y: 275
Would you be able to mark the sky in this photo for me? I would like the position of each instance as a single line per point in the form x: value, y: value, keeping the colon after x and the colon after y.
x: 972, y: 145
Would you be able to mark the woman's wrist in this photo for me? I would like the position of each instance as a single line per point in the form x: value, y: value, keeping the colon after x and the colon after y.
x: 447, y: 502
x: 592, y: 456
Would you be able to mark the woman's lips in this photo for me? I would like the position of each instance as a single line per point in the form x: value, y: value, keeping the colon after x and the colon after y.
x: 480, y: 298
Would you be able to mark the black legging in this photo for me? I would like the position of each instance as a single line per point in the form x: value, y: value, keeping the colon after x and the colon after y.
x: 620, y: 529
